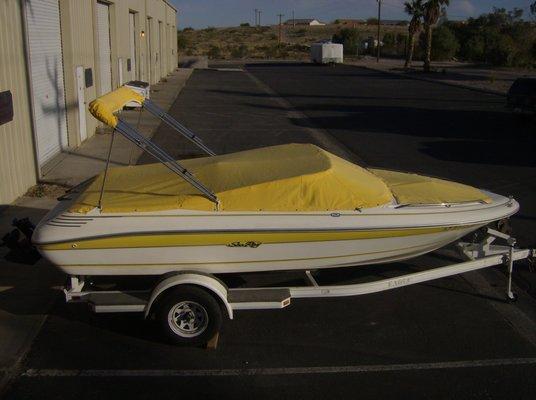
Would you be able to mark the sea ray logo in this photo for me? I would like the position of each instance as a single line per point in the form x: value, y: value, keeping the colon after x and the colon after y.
x: 251, y: 244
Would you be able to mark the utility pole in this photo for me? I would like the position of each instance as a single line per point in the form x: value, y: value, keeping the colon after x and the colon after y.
x: 379, y: 23
x: 293, y: 20
x: 260, y: 12
x: 256, y: 10
x: 279, y: 39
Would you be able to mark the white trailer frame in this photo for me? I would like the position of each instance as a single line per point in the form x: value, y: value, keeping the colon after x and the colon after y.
x: 481, y: 255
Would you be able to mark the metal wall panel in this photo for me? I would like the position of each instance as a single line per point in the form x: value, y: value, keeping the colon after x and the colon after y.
x: 17, y: 156
x: 105, y: 53
x: 79, y: 50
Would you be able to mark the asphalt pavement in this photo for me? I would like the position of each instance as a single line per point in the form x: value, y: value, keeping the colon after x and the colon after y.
x: 451, y: 338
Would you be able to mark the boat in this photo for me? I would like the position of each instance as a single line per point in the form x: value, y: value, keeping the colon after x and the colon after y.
x: 285, y: 207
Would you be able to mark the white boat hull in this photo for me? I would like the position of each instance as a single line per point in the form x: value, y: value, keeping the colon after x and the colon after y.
x: 150, y: 244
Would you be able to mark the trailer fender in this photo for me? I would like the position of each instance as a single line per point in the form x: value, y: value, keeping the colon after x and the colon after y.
x: 205, y: 281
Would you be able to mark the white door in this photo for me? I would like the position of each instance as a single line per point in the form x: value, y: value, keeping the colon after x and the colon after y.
x: 120, y: 70
x: 132, y: 41
x: 105, y: 53
x: 46, y: 71
x: 80, y: 86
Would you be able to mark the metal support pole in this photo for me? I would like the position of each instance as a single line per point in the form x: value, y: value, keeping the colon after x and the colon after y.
x: 137, y: 128
x: 168, y: 119
x: 279, y: 37
x: 509, y: 293
x: 169, y: 162
x: 106, y: 170
x: 379, y: 23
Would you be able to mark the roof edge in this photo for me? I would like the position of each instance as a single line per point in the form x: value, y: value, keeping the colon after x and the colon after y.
x: 172, y: 6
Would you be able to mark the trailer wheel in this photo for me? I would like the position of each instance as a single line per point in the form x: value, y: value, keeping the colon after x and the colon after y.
x: 189, y: 316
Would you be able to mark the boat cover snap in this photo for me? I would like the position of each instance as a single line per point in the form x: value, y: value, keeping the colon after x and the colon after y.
x: 104, y: 107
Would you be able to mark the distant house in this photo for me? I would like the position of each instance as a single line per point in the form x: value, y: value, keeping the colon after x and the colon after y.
x: 304, y: 21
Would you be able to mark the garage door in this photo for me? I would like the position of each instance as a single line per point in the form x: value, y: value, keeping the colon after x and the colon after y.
x: 46, y: 70
x: 103, y: 39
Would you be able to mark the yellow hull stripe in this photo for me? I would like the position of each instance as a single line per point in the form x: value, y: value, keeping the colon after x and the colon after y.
x: 228, y: 238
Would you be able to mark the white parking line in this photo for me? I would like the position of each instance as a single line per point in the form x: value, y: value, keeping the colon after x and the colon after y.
x: 39, y: 373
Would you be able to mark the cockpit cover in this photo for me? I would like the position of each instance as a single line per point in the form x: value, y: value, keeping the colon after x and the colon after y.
x: 285, y: 178
x: 292, y: 177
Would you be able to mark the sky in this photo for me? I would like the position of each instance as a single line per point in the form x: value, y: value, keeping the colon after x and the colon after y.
x: 203, y: 13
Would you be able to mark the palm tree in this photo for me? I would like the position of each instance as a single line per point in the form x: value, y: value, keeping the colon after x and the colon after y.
x: 414, y: 8
x: 432, y: 11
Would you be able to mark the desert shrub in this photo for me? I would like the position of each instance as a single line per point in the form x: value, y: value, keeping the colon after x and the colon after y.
x: 214, y: 52
x: 501, y: 51
x: 401, y: 43
x: 444, y: 43
x: 394, y: 44
x: 243, y: 24
x: 182, y: 41
x: 299, y: 32
x: 500, y: 38
x: 239, y: 51
x: 349, y: 38
x: 389, y: 39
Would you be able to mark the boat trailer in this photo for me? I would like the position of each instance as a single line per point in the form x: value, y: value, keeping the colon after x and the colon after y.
x: 190, y: 315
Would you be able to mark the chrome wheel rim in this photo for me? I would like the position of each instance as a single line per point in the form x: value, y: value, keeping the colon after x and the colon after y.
x: 188, y: 319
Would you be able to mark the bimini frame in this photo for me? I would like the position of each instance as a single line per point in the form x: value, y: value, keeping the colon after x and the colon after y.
x: 104, y: 109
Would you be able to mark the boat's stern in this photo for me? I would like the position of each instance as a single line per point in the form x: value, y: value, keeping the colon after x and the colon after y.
x: 57, y: 226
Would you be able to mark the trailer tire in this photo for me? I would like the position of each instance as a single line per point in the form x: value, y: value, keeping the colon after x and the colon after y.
x: 188, y: 316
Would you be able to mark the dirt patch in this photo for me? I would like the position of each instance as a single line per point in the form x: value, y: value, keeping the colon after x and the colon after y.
x: 46, y: 190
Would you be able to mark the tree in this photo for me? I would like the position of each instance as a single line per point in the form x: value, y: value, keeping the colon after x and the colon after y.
x: 533, y: 9
x: 416, y: 10
x: 444, y: 43
x: 432, y: 11
x: 349, y: 38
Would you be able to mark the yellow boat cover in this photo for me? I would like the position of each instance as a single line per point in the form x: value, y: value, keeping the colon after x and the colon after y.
x: 419, y: 189
x: 104, y: 107
x: 293, y: 177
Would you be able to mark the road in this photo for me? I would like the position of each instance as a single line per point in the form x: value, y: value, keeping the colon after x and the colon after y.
x: 449, y: 338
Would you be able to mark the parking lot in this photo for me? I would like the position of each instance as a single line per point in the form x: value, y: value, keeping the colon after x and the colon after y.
x: 455, y: 337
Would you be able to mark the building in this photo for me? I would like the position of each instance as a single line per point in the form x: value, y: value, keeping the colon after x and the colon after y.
x: 58, y: 55
x: 304, y: 21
